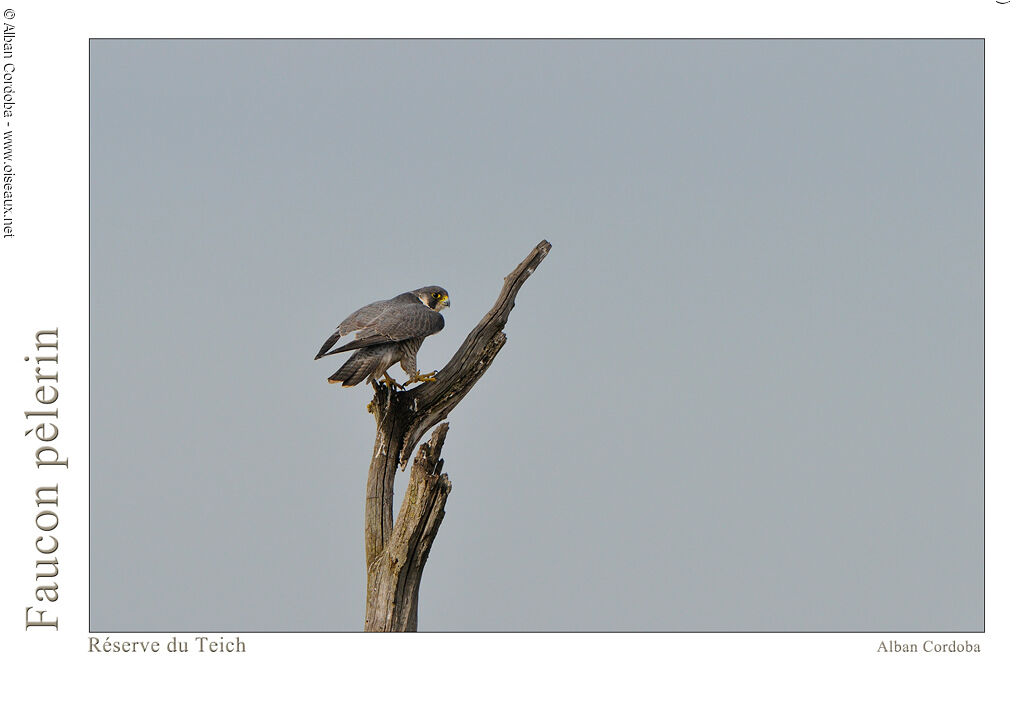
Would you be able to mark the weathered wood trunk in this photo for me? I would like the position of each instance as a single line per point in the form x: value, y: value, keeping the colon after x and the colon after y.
x: 396, y: 551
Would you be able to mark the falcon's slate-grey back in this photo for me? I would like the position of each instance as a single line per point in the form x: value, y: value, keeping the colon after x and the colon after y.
x: 388, y: 332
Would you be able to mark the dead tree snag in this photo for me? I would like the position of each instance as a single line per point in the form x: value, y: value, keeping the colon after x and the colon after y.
x: 396, y: 550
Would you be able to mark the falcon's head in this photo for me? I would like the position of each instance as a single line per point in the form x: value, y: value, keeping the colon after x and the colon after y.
x: 433, y: 297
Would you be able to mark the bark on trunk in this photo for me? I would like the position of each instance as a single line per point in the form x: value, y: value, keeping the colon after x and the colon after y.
x: 396, y: 551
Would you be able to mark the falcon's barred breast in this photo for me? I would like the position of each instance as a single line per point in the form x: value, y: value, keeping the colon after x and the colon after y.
x: 387, y: 332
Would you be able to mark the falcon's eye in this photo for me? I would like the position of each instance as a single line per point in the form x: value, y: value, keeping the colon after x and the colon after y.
x: 435, y: 295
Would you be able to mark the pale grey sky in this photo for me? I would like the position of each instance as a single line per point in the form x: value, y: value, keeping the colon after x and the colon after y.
x: 743, y: 393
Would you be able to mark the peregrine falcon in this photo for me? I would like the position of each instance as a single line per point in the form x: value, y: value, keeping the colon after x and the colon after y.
x: 389, y: 332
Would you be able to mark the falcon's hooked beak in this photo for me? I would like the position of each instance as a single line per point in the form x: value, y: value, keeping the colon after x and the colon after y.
x: 444, y: 302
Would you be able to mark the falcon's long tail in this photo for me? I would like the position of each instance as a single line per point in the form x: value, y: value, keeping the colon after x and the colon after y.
x: 361, y: 365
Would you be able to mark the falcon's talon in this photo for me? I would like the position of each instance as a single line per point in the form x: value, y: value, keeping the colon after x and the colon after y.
x: 419, y: 377
x: 387, y: 380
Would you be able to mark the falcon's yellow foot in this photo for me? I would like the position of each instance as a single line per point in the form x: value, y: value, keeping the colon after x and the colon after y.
x: 392, y: 383
x: 418, y: 377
